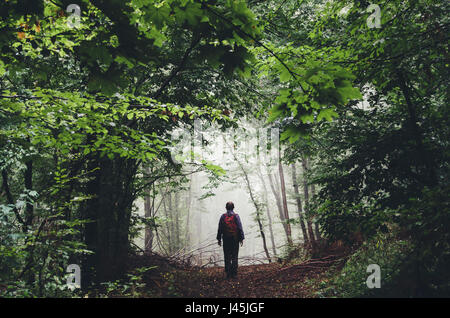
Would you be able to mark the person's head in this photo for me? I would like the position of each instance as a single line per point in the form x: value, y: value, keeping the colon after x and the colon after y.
x: 229, y: 205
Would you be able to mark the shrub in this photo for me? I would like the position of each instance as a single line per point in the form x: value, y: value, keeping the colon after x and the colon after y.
x: 384, y: 250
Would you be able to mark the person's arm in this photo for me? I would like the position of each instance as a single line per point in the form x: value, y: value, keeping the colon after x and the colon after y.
x: 240, y: 229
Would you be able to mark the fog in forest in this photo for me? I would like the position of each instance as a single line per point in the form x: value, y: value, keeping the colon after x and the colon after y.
x: 195, y: 211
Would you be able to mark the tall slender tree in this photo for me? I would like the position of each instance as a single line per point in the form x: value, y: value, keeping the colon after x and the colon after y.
x: 316, y: 224
x: 284, y: 198
x: 267, y: 205
x: 312, y: 239
x: 276, y: 194
x: 299, y: 203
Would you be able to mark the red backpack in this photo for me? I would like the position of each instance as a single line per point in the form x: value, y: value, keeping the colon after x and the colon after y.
x: 230, y: 225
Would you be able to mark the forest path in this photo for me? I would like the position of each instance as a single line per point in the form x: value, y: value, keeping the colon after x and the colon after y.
x: 264, y: 280
x: 294, y: 280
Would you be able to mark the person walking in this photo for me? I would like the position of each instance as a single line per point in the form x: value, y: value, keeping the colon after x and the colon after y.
x: 231, y: 232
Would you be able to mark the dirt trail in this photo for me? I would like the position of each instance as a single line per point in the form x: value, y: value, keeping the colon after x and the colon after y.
x: 264, y: 280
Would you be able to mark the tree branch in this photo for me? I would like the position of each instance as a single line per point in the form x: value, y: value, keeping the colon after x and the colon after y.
x: 175, y: 71
x: 293, y: 74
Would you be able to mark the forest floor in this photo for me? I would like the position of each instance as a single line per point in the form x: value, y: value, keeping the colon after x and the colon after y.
x: 291, y: 279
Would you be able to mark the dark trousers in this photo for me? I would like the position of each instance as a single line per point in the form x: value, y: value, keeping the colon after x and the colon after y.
x: 230, y: 253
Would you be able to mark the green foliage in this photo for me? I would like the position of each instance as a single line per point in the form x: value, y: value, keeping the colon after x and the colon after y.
x: 77, y: 124
x: 384, y: 250
x: 132, y: 286
x: 316, y: 85
x: 382, y: 163
x: 170, y: 280
x: 33, y: 263
x: 341, y: 222
x: 426, y: 221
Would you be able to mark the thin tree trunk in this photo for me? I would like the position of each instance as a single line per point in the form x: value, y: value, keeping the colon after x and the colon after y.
x: 316, y: 225
x: 188, y: 212
x: 276, y: 194
x: 258, y: 215
x: 199, y: 232
x: 269, y: 217
x: 257, y: 207
x: 306, y: 193
x: 28, y: 220
x: 299, y: 204
x: 29, y: 186
x: 171, y: 223
x: 148, y: 231
x: 168, y: 226
x: 283, y: 195
x: 148, y: 240
x: 177, y: 220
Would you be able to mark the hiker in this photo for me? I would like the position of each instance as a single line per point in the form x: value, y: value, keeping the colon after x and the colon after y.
x: 230, y: 229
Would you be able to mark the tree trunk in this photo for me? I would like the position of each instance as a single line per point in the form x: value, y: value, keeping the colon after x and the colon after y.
x: 257, y: 207
x: 148, y: 240
x: 177, y: 220
x: 316, y: 225
x: 28, y: 220
x: 276, y: 194
x: 299, y: 204
x: 188, y: 212
x: 199, y: 228
x: 306, y: 193
x: 429, y: 173
x: 283, y: 195
x: 167, y: 207
x: 28, y: 178
x: 110, y: 211
x: 269, y: 217
x: 258, y: 216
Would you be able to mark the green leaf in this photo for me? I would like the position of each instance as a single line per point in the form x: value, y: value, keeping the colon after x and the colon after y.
x: 307, y: 118
x: 275, y: 112
x: 327, y: 114
x: 285, y: 75
x: 193, y: 13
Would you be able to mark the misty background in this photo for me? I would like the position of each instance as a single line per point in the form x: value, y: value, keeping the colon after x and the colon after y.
x: 197, y: 208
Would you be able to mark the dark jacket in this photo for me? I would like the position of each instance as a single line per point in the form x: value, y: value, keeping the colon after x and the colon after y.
x: 222, y: 224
